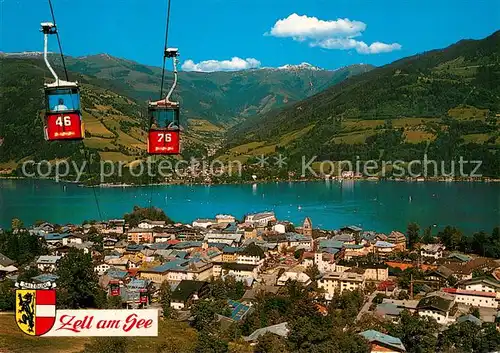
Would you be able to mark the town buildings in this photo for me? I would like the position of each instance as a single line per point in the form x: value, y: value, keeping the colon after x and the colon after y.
x: 266, y: 254
x: 333, y: 282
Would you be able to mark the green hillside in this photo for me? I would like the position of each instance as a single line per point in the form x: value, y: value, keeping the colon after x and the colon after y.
x: 440, y: 102
x: 220, y: 97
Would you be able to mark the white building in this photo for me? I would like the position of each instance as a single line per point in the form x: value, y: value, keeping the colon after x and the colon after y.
x: 204, y: 223
x: 482, y: 284
x: 432, y: 250
x: 225, y: 218
x: 376, y: 273
x: 251, y: 255
x: 115, y: 226
x: 46, y: 263
x: 238, y: 271
x: 101, y: 269
x: 473, y: 298
x: 291, y: 275
x: 325, y: 262
x: 148, y: 224
x: 229, y: 239
x: 384, y: 247
x: 340, y: 281
x: 261, y: 219
x: 279, y: 228
x: 72, y: 239
x: 438, y: 306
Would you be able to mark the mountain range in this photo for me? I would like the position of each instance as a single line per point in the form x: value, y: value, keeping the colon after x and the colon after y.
x: 415, y: 104
x: 115, y: 91
x: 419, y: 97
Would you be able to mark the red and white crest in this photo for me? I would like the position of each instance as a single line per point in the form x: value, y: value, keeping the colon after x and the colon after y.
x: 35, y: 310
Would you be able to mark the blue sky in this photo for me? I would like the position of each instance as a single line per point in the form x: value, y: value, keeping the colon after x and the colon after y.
x: 325, y: 33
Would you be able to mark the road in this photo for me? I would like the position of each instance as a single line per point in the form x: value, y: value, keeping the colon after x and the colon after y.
x: 367, y: 305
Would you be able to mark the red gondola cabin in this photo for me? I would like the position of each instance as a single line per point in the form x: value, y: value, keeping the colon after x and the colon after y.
x: 164, y: 133
x: 63, y: 120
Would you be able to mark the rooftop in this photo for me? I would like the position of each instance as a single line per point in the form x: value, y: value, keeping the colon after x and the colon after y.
x: 45, y: 277
x: 388, y: 309
x: 396, y: 237
x: 343, y: 276
x: 186, y: 288
x: 47, y: 259
x: 55, y: 236
x: 238, y: 310
x: 486, y: 280
x: 116, y: 273
x: 344, y: 237
x: 461, y: 257
x: 470, y: 318
x: 376, y: 336
x: 279, y: 329
x: 238, y: 267
x: 5, y: 261
x: 230, y: 250
x: 329, y: 243
x: 432, y: 248
x: 384, y: 244
x: 253, y: 250
x: 351, y: 229
x: 469, y: 292
x: 436, y: 301
x: 169, y: 266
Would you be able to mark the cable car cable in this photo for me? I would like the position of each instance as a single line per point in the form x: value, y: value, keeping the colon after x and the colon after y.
x: 58, y: 40
x: 89, y: 160
x: 161, y: 91
x: 165, y: 49
x: 85, y: 150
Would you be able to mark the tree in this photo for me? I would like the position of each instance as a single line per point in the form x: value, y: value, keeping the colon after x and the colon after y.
x: 77, y: 284
x: 7, y: 295
x: 461, y: 337
x: 297, y: 254
x: 235, y: 289
x: 203, y: 313
x: 428, y: 238
x: 218, y: 288
x: 475, y: 311
x: 17, y: 224
x: 165, y: 298
x: 151, y: 213
x: 208, y: 343
x: 271, y: 343
x: 451, y: 237
x: 114, y: 302
x: 21, y: 246
x: 312, y: 271
x: 417, y: 333
x: 413, y: 234
x: 28, y: 274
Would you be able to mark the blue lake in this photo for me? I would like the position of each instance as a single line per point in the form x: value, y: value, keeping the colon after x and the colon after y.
x: 382, y: 206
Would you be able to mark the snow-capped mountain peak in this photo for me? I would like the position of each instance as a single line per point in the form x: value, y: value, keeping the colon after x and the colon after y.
x: 302, y: 66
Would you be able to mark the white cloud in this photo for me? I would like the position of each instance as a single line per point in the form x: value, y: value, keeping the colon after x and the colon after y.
x: 235, y: 64
x: 360, y: 46
x: 303, y: 27
x: 329, y: 34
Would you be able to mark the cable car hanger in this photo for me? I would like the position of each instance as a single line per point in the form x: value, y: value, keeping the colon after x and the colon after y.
x: 164, y: 121
x: 63, y: 120
x: 49, y: 28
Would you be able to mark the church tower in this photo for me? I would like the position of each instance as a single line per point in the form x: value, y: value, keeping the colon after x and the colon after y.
x: 307, y: 228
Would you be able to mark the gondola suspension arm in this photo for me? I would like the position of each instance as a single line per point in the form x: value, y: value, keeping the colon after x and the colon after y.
x: 48, y: 28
